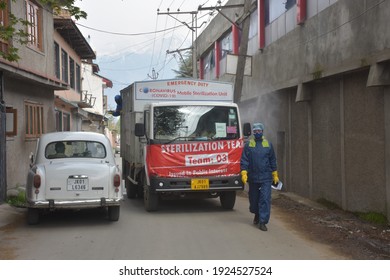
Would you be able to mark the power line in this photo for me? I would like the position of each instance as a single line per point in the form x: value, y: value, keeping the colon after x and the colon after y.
x: 127, y: 34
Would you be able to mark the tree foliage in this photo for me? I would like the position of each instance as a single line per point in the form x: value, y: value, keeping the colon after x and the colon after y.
x: 16, y: 28
x: 185, y: 66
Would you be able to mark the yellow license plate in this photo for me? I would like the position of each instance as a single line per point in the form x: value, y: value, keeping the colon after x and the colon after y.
x: 200, y: 184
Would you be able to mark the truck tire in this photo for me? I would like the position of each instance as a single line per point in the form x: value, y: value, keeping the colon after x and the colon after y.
x: 150, y: 200
x: 228, y: 199
x: 32, y: 216
x: 113, y: 213
x: 139, y: 188
x: 131, y: 189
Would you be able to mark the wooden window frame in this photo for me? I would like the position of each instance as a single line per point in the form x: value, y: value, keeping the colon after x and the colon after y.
x: 72, y: 73
x: 34, y: 29
x: 58, y: 115
x: 4, y: 44
x: 11, y: 114
x: 57, y: 60
x: 78, y: 78
x: 34, y: 119
x: 64, y: 66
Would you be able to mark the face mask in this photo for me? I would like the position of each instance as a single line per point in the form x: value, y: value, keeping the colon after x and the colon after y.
x: 258, y: 135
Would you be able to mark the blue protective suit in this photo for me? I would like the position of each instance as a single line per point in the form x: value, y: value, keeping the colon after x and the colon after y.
x: 258, y: 158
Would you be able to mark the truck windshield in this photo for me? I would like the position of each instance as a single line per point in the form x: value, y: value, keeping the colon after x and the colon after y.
x: 195, y: 123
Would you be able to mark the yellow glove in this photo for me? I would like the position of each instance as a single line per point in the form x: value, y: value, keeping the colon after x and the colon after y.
x: 275, y: 177
x: 244, y: 176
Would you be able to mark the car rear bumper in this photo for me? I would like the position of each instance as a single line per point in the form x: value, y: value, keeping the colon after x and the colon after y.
x: 87, y: 203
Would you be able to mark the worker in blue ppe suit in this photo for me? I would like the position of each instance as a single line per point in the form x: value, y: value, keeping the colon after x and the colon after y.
x: 258, y: 168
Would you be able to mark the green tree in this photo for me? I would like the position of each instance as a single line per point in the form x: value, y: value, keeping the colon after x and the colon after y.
x: 185, y: 65
x: 15, y: 29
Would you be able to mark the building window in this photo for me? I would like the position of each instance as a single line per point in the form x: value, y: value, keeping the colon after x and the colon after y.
x: 33, y: 118
x: 57, y: 60
x: 66, y: 122
x: 227, y: 45
x: 62, y: 121
x: 253, y: 25
x: 275, y: 8
x: 64, y: 66
x: 34, y: 27
x: 58, y: 120
x: 11, y: 121
x: 3, y: 23
x: 71, y: 73
x: 78, y: 78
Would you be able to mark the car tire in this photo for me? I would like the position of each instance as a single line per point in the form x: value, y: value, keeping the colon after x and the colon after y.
x: 32, y: 216
x: 113, y: 213
x: 228, y: 199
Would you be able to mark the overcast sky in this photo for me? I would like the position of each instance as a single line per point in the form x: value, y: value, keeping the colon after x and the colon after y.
x: 131, y: 40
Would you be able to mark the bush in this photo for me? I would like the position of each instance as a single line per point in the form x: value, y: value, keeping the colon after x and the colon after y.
x: 19, y: 200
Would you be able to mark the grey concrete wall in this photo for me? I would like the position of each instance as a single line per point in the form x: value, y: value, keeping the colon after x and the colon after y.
x: 299, y: 181
x: 326, y: 141
x: 34, y: 60
x: 18, y: 147
x: 335, y: 143
x: 365, y: 144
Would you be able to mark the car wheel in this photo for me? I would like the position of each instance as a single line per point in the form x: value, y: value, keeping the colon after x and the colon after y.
x: 228, y: 199
x: 32, y: 216
x: 113, y: 213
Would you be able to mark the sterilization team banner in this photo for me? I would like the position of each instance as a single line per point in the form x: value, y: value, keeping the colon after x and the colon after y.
x: 195, y: 159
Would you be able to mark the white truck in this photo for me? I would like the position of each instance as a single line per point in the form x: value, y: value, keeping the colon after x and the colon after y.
x: 180, y: 137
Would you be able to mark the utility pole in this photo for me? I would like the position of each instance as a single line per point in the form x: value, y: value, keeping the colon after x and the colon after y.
x: 242, y: 52
x: 193, y: 28
x: 3, y: 166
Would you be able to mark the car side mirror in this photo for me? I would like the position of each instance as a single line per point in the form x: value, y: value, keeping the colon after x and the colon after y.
x: 247, y: 129
x: 139, y: 129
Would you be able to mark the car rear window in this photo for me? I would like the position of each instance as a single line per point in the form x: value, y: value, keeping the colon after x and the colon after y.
x: 75, y: 149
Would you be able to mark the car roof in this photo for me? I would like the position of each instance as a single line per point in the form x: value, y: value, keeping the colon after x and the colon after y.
x: 72, y: 135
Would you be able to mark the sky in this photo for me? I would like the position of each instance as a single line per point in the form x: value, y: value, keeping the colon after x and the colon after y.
x: 131, y: 38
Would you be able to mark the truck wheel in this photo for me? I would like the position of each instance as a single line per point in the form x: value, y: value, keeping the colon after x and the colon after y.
x: 131, y: 189
x: 228, y: 199
x: 32, y: 216
x: 140, y: 191
x: 150, y: 200
x: 141, y: 183
x: 113, y: 213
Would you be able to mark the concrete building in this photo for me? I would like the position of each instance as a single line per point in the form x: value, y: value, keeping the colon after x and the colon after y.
x: 43, y: 91
x: 28, y: 87
x: 93, y: 87
x: 319, y: 80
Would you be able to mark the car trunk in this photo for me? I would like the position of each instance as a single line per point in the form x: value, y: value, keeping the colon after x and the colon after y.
x: 79, y: 180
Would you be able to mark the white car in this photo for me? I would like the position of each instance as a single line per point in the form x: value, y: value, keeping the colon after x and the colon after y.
x: 73, y: 170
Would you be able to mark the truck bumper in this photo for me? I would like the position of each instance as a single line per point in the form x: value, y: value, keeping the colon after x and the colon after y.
x: 216, y: 184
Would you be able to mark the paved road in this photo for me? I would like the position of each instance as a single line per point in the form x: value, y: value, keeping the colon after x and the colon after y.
x: 184, y: 229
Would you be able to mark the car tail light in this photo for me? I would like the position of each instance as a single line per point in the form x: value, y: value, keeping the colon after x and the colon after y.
x: 37, y: 181
x: 117, y: 180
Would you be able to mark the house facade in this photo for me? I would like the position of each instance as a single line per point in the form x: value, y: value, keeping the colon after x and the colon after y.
x: 43, y: 91
x: 27, y: 91
x: 317, y: 75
